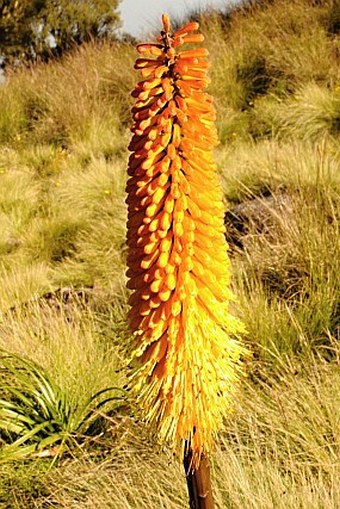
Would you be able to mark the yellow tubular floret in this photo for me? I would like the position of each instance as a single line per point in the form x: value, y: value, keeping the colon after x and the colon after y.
x: 187, y: 352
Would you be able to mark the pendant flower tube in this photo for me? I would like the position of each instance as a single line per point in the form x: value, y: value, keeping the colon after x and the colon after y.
x: 187, y: 356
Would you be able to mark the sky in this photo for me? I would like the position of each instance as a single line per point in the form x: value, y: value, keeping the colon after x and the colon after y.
x: 141, y: 17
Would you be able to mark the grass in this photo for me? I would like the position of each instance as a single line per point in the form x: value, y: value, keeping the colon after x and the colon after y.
x: 63, y: 157
x: 39, y: 418
x: 282, y: 451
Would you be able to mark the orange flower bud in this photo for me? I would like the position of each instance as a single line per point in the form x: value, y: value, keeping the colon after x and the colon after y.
x: 166, y: 22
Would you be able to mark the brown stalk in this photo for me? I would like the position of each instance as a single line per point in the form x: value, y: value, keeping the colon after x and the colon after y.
x: 198, y: 482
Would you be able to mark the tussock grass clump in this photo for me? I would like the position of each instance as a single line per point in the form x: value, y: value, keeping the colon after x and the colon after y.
x: 66, y: 340
x: 283, y: 443
x: 311, y: 113
x: 257, y: 169
x: 37, y: 417
x: 59, y: 101
x: 21, y: 281
x: 286, y: 47
x: 287, y: 227
x: 279, y: 449
x: 68, y: 228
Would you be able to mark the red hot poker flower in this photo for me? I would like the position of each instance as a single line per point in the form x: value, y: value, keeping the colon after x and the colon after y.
x: 186, y: 347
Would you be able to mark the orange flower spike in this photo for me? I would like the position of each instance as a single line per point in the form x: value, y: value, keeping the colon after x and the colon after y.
x: 187, y: 352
